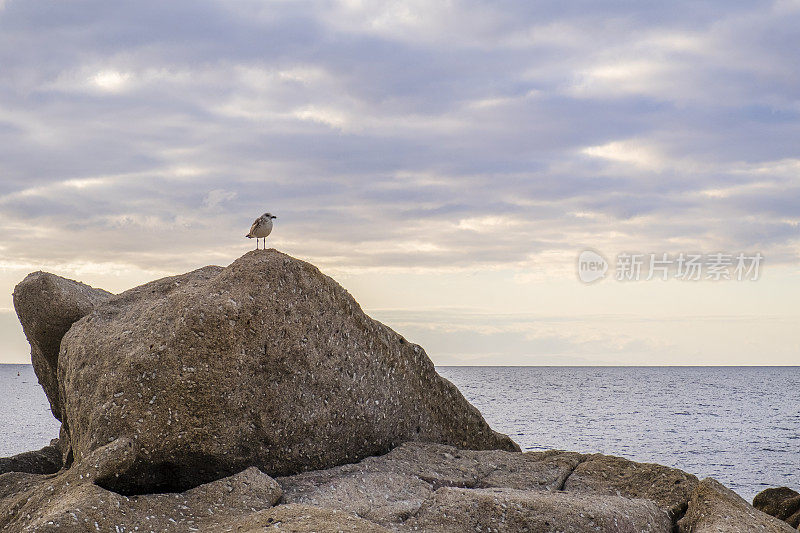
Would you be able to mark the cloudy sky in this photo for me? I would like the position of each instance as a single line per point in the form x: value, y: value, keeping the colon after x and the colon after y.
x: 445, y: 161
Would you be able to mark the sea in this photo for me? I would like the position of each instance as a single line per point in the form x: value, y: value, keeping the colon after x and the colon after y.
x: 740, y: 425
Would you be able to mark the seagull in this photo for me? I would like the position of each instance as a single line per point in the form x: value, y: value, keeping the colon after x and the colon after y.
x: 261, y: 228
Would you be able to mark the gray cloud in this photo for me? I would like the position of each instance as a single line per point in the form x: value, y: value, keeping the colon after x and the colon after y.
x: 461, y: 135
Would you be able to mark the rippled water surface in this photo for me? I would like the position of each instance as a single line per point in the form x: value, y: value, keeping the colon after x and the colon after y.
x: 740, y: 425
x: 25, y: 419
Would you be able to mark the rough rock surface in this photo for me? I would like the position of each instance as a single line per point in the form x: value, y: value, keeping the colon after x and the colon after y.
x: 783, y: 503
x: 44, y: 461
x: 510, y: 510
x: 391, y: 488
x: 47, y: 305
x: 71, y: 500
x: 432, y: 487
x: 415, y: 487
x: 294, y: 518
x: 716, y: 508
x: 265, y: 363
x: 670, y: 488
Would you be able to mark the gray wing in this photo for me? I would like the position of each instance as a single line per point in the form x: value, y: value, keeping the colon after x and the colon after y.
x: 253, y: 227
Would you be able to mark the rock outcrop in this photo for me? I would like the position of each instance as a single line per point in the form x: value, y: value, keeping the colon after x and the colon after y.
x: 182, y: 398
x: 47, y: 305
x: 783, y: 503
x: 391, y: 488
x: 265, y: 363
x: 716, y: 508
x: 455, y: 510
x: 670, y: 488
x: 415, y: 487
x: 72, y: 501
x: 432, y: 487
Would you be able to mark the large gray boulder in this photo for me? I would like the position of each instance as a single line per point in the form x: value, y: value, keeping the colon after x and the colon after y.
x: 47, y: 305
x: 265, y: 363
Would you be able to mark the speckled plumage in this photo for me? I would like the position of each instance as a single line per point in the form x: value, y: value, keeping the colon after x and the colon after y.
x: 261, y: 228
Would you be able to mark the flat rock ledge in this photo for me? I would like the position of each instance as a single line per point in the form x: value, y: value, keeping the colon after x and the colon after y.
x: 415, y: 487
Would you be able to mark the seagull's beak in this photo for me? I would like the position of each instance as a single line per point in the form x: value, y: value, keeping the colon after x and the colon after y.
x: 273, y: 216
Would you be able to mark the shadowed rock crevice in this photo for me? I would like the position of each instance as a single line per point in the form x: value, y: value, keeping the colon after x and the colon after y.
x: 180, y: 475
x: 679, y: 513
x: 562, y: 482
